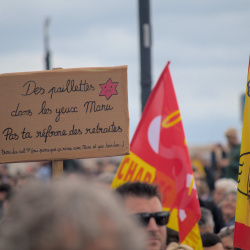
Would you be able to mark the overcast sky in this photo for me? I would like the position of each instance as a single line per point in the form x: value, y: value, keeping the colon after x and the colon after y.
x: 207, y: 42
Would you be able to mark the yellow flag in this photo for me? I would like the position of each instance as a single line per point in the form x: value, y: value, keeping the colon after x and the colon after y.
x: 242, y: 218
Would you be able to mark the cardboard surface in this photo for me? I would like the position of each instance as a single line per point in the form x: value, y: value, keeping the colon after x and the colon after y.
x: 64, y: 114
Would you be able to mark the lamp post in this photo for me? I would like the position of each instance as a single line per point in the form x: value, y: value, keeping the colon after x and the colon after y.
x: 145, y: 50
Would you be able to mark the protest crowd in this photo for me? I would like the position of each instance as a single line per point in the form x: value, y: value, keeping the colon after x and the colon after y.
x: 81, y: 211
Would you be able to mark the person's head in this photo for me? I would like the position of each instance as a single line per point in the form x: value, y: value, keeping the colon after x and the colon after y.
x: 172, y: 236
x: 177, y: 246
x: 232, y: 137
x: 67, y: 215
x: 222, y: 186
x: 211, y: 241
x: 143, y: 200
x: 226, y: 235
x: 206, y: 222
x: 200, y: 183
x: 228, y: 205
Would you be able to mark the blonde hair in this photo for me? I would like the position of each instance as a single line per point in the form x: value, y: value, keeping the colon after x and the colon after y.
x: 176, y: 246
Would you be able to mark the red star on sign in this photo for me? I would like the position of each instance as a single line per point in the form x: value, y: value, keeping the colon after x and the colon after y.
x: 108, y: 88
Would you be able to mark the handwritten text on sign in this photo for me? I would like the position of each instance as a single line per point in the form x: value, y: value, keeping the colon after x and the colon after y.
x: 63, y: 114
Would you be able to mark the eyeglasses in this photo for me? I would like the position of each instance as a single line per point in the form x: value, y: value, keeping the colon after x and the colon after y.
x: 161, y: 218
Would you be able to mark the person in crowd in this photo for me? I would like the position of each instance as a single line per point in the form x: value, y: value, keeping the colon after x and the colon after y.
x: 215, y: 210
x: 143, y: 202
x: 68, y: 214
x: 231, y: 163
x: 4, y: 175
x: 172, y: 236
x: 206, y: 222
x: 5, y: 190
x: 202, y: 163
x: 222, y: 186
x: 176, y: 246
x: 211, y: 241
x: 228, y: 207
x: 218, y: 154
x: 227, y: 237
x: 203, y: 190
x: 6, y: 203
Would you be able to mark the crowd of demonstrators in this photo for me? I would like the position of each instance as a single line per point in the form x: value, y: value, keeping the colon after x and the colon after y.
x: 14, y: 177
x: 78, y: 213
x: 216, y: 192
x: 70, y: 214
x: 210, y: 205
x: 226, y: 234
x: 219, y: 198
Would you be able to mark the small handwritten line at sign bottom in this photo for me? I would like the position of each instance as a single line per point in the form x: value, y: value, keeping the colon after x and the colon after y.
x: 84, y: 147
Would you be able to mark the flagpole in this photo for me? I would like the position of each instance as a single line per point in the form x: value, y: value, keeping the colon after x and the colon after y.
x: 145, y: 50
x: 46, y: 43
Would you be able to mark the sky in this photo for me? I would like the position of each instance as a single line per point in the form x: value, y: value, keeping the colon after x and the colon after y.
x: 207, y: 42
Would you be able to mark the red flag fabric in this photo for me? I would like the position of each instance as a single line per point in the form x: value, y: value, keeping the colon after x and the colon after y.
x: 159, y: 155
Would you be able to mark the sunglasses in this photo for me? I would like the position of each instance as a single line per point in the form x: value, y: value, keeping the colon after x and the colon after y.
x: 161, y: 218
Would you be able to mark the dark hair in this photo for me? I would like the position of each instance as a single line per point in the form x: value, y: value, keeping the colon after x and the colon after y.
x: 139, y: 189
x: 5, y: 187
x: 210, y: 239
x: 172, y: 236
x: 9, y: 195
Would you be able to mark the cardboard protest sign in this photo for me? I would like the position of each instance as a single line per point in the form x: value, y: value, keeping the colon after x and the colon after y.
x: 64, y: 114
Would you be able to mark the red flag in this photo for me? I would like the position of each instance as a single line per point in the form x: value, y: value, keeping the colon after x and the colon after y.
x: 159, y: 154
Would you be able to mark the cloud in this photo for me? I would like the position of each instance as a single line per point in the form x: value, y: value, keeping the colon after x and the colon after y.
x: 206, y: 42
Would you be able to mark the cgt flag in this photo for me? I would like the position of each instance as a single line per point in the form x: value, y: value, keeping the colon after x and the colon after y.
x: 159, y: 155
x: 242, y: 216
